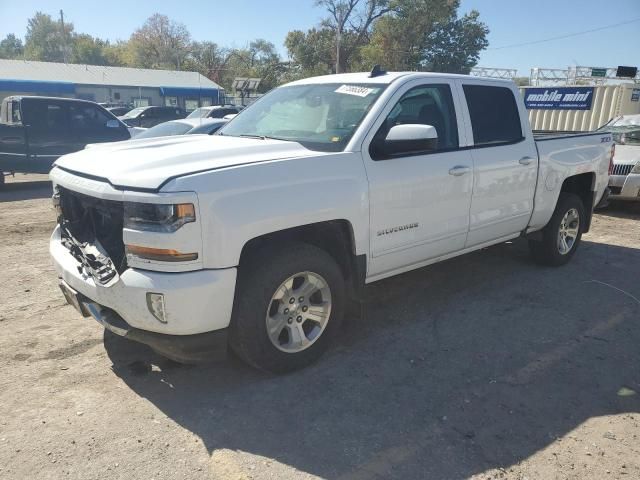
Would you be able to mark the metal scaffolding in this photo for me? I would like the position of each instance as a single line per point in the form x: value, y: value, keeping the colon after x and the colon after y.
x: 578, y: 76
x: 490, y: 72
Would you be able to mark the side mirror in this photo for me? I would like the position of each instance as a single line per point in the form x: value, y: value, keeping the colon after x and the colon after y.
x: 410, y: 138
x: 113, y: 124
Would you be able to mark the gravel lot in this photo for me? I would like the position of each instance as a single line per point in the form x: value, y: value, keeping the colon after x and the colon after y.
x: 485, y: 366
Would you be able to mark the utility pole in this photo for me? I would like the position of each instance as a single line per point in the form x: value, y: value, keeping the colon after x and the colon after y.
x: 338, y: 39
x: 64, y: 37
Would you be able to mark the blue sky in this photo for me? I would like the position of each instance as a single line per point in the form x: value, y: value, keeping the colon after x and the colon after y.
x: 236, y: 22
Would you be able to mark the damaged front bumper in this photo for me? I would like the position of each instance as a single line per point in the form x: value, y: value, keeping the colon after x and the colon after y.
x: 196, y: 303
x: 195, y: 348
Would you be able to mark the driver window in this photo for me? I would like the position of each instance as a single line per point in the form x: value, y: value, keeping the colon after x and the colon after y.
x: 426, y: 105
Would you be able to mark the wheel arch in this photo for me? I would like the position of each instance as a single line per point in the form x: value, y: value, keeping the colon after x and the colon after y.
x: 336, y: 237
x: 582, y: 185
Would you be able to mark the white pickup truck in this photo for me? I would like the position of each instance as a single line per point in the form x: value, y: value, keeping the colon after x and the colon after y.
x: 257, y: 237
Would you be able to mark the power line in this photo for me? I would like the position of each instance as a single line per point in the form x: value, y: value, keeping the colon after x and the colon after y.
x: 560, y: 37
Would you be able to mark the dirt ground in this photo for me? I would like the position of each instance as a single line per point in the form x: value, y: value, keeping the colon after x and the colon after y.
x: 485, y: 366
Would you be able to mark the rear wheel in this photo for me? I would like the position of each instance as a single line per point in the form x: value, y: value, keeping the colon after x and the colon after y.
x: 1, y: 179
x: 289, y: 301
x: 561, y: 237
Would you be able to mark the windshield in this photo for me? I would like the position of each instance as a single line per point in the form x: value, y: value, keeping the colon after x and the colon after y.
x: 199, y: 112
x: 321, y: 117
x: 165, y: 129
x: 134, y: 113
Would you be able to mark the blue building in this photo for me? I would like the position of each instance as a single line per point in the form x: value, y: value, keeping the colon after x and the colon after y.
x: 113, y: 85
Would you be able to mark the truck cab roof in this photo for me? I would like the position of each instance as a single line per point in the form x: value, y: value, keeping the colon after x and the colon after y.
x: 382, y: 79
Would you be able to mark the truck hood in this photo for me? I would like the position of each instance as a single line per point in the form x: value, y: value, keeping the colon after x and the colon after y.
x: 148, y: 163
x: 627, y: 155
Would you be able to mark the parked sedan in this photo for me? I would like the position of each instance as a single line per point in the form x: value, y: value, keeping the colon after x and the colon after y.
x: 119, y: 111
x: 185, y: 126
x: 624, y: 181
x: 215, y: 111
x: 148, y: 117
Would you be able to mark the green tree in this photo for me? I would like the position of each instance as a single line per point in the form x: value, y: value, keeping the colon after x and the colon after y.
x: 11, y: 47
x: 455, y: 46
x: 45, y: 39
x: 397, y: 41
x: 312, y: 51
x: 351, y: 22
x: 160, y: 43
x: 208, y: 58
x: 89, y: 50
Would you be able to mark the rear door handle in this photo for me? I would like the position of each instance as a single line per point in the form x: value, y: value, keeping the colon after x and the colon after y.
x: 459, y: 170
x: 526, y: 160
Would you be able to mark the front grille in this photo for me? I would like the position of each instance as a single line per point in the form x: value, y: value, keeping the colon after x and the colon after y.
x: 88, y: 219
x: 622, y: 170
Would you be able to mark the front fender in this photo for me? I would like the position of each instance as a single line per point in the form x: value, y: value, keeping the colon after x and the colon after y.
x: 241, y: 203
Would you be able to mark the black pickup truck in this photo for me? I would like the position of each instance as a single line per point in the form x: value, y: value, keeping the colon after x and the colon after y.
x: 35, y: 131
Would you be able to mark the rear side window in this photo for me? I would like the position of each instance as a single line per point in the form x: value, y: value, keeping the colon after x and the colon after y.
x: 43, y: 116
x: 494, y: 114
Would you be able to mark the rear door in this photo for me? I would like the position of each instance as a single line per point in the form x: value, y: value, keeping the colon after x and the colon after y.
x: 419, y: 202
x: 48, y: 131
x: 505, y: 160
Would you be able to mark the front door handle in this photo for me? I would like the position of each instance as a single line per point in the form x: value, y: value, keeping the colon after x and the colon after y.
x: 459, y: 170
x: 526, y: 160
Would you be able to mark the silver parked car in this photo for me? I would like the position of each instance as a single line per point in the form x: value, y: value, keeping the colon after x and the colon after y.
x: 184, y: 126
x: 624, y: 181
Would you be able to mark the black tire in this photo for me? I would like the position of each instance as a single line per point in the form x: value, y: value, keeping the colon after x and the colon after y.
x: 259, y: 278
x: 1, y: 179
x: 546, y: 251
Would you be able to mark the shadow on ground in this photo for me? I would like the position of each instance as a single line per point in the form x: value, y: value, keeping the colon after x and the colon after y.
x: 621, y: 209
x: 471, y: 364
x: 16, y: 191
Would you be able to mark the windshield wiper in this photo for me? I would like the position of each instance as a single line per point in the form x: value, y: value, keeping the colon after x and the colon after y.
x: 260, y: 137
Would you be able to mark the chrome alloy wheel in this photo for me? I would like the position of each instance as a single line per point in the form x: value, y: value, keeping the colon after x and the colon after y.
x: 298, y: 312
x: 568, y: 232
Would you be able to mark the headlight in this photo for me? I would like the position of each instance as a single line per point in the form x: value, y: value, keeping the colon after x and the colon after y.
x: 158, y: 217
x: 636, y: 169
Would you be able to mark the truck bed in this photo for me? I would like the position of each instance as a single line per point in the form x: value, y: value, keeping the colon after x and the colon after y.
x: 542, y: 135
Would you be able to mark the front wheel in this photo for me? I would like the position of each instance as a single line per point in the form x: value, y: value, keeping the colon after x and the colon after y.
x: 289, y: 301
x: 562, y: 235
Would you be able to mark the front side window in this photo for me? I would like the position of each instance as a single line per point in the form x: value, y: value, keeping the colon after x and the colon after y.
x: 320, y: 117
x: 494, y: 114
x: 88, y: 117
x: 426, y: 105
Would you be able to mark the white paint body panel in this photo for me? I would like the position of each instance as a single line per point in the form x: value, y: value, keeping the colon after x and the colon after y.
x: 245, y: 188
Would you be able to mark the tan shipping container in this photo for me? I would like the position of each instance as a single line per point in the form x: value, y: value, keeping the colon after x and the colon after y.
x: 609, y: 101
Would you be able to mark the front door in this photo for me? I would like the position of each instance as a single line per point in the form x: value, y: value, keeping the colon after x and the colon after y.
x: 89, y: 125
x: 419, y: 203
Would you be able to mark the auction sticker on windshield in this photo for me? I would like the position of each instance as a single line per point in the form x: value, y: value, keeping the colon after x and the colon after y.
x: 356, y: 90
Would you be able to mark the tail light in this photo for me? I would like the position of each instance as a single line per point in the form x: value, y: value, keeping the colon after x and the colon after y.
x: 613, y: 152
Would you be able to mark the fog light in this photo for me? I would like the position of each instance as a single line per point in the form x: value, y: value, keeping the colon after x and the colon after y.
x: 155, y: 303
